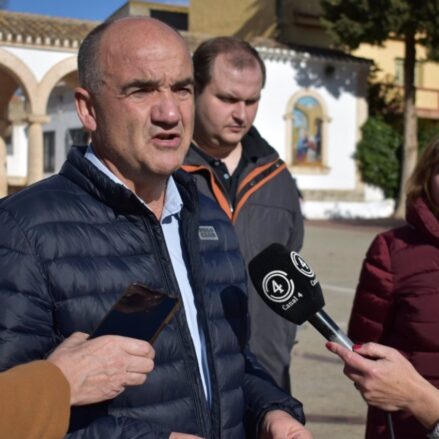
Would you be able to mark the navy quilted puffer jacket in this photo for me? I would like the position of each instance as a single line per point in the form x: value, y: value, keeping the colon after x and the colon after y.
x: 69, y: 246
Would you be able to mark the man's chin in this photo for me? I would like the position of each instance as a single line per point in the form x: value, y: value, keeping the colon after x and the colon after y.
x: 233, y: 138
x: 168, y: 169
x: 231, y: 143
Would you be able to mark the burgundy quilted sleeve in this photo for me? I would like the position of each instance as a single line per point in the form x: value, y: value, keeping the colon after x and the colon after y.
x: 375, y: 293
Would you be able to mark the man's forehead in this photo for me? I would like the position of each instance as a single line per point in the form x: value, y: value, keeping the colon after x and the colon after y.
x: 146, y: 74
x: 225, y: 75
x: 136, y: 47
x: 147, y: 58
x: 224, y: 65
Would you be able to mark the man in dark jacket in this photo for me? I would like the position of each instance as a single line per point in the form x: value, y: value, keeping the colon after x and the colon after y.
x: 118, y: 213
x: 234, y: 165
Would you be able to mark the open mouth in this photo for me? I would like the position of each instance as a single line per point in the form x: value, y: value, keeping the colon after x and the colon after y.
x: 166, y: 136
x: 167, y: 139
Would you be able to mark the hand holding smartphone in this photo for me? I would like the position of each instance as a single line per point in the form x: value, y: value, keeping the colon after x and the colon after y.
x: 139, y: 313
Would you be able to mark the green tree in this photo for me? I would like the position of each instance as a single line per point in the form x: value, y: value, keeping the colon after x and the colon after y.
x: 377, y: 155
x: 352, y: 22
x: 384, y: 98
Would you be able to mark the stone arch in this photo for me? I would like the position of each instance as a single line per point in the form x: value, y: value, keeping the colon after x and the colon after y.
x: 52, y: 77
x: 14, y: 73
x: 39, y: 117
x: 323, y: 119
x: 21, y: 73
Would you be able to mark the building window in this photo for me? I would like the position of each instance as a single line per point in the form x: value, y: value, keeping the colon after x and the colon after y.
x: 9, y: 146
x: 49, y: 151
x: 399, y: 72
x: 178, y: 20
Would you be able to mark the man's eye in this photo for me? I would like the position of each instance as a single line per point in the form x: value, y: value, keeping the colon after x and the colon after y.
x: 141, y: 91
x: 228, y: 100
x: 184, y: 91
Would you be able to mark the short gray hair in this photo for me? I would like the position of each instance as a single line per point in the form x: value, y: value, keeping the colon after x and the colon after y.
x: 89, y: 70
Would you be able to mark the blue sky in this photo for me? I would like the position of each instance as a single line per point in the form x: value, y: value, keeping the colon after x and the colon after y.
x: 82, y: 9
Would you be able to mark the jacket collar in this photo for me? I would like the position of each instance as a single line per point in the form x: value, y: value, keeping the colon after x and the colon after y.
x: 83, y: 173
x: 257, y: 148
x: 423, y: 219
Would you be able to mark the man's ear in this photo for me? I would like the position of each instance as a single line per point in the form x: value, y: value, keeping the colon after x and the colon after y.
x: 85, y: 109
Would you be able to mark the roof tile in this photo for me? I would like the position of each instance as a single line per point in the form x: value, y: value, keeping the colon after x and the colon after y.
x: 34, y: 29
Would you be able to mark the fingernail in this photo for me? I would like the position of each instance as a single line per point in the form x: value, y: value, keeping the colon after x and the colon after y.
x: 356, y: 347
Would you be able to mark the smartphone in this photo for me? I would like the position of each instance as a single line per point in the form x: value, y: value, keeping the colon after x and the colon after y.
x: 139, y: 313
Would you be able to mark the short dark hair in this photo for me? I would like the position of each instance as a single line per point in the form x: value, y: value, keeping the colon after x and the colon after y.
x: 239, y: 53
x: 88, y: 58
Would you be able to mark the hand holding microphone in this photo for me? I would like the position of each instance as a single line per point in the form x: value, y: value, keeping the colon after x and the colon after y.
x: 388, y: 380
x: 289, y: 286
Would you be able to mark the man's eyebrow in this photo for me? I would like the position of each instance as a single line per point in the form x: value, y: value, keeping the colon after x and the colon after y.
x: 231, y: 95
x: 227, y: 94
x: 141, y: 83
x: 152, y: 84
x: 183, y: 83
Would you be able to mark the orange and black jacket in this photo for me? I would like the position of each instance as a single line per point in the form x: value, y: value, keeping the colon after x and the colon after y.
x: 266, y: 210
x: 267, y: 199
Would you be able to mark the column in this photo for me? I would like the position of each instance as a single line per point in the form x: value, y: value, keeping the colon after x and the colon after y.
x: 35, y: 147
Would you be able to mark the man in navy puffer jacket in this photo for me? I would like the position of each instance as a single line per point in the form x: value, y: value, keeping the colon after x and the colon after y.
x: 114, y: 215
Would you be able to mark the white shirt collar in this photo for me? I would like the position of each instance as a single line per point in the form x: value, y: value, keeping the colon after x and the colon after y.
x: 173, y: 202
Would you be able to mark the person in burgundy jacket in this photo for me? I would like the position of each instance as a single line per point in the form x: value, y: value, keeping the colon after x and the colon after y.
x: 397, y: 298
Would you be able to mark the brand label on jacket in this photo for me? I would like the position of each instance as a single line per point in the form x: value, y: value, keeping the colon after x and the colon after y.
x: 207, y: 233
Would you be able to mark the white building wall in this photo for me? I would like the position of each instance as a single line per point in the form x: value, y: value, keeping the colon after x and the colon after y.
x: 282, y: 84
x: 39, y: 61
x: 16, y: 163
x: 63, y: 116
x: 341, y: 145
x: 339, y: 93
x: 343, y: 209
x: 284, y: 80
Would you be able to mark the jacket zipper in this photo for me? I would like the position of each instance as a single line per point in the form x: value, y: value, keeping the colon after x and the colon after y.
x: 183, y: 331
x: 215, y: 407
x: 225, y: 193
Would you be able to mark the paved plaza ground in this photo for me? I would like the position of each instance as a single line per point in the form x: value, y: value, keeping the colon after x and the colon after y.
x: 335, y: 250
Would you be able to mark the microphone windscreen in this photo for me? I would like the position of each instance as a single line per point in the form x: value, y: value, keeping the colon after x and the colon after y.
x: 286, y: 283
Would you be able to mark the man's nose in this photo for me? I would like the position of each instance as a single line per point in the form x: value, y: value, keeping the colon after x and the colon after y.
x: 239, y: 111
x: 165, y: 110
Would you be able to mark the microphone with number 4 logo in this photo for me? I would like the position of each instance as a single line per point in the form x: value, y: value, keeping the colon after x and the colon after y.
x: 289, y: 286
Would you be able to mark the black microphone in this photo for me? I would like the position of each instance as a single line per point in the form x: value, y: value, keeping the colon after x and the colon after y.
x: 289, y: 286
